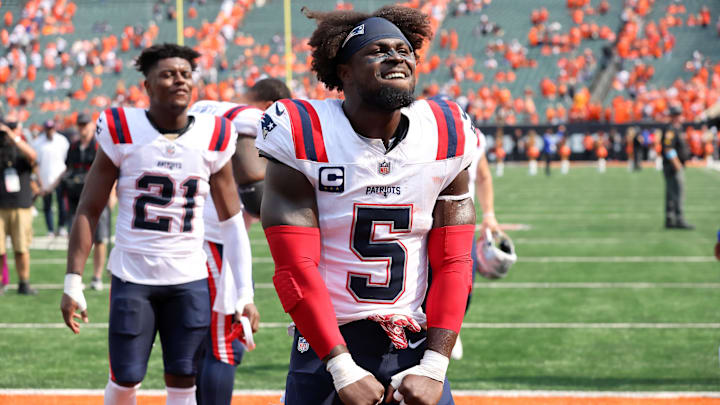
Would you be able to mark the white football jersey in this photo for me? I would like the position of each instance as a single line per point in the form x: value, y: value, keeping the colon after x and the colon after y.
x: 162, y: 187
x: 245, y: 119
x: 375, y: 206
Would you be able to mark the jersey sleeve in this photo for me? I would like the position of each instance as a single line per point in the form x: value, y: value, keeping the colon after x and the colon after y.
x: 275, y: 136
x: 473, y: 148
x: 224, y: 155
x: 246, y: 122
x: 105, y: 140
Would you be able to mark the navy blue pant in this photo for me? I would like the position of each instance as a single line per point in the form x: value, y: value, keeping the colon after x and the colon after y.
x: 215, y: 379
x: 47, y: 209
x: 308, y: 383
x: 180, y: 313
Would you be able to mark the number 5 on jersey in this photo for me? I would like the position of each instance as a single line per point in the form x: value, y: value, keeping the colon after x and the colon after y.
x: 368, y: 248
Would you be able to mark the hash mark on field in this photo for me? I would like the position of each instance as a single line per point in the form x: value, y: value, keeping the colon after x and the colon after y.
x: 466, y: 325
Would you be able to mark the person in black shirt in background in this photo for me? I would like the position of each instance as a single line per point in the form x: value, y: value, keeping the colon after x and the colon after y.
x: 79, y: 159
x: 675, y: 153
x: 17, y: 158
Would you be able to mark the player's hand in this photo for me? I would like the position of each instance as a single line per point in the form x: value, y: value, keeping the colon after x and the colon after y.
x: 490, y: 223
x: 415, y: 390
x: 365, y: 391
x: 250, y: 311
x: 69, y: 306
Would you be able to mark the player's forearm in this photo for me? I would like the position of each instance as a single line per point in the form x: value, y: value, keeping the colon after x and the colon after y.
x: 449, y: 253
x: 301, y: 289
x: 441, y: 340
x: 484, y: 186
x: 80, y: 242
x: 239, y: 257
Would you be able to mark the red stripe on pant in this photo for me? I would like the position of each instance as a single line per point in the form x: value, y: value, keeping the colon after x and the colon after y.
x: 222, y: 351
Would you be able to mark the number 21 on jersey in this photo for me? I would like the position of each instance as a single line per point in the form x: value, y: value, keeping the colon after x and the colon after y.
x: 161, y: 190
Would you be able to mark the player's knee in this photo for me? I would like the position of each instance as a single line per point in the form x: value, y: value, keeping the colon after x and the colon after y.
x: 126, y: 384
x: 128, y: 375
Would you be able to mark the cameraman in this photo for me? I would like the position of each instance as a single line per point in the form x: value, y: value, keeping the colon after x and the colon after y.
x: 17, y: 158
x: 79, y: 159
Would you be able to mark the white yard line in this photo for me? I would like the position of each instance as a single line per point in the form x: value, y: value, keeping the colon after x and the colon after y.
x: 528, y: 259
x: 584, y: 325
x: 599, y: 285
x: 521, y: 285
x: 466, y: 325
x: 459, y: 393
x: 616, y: 259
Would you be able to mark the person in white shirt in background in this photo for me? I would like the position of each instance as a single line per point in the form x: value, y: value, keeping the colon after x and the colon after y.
x: 52, y: 148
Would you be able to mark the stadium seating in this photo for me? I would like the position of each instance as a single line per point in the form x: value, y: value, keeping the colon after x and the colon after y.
x: 457, y: 62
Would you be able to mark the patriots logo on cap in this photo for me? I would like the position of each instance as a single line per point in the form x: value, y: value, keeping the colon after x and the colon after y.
x: 359, y: 30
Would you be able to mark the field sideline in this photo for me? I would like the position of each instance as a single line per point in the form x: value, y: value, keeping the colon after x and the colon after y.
x: 156, y: 397
x: 604, y: 306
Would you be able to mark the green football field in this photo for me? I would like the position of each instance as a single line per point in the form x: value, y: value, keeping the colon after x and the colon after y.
x: 603, y: 298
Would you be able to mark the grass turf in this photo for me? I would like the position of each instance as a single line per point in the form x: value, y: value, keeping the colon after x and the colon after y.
x: 580, y: 215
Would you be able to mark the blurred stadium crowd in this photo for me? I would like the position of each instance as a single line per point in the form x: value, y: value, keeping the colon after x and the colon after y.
x: 610, y: 63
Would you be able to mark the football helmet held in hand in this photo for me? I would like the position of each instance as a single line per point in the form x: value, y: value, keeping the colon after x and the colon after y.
x: 495, y: 253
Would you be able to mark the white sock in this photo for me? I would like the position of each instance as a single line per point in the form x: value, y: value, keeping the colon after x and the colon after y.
x: 180, y: 396
x: 118, y: 395
x: 565, y: 166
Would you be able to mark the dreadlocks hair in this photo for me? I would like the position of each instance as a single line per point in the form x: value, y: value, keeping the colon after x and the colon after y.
x: 149, y: 57
x: 334, y: 26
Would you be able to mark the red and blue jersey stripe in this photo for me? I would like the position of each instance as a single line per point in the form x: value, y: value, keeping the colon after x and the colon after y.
x: 221, y: 135
x: 233, y: 112
x: 451, y: 133
x: 117, y: 125
x: 306, y: 131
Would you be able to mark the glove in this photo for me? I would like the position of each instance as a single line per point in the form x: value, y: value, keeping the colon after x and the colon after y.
x: 394, y: 326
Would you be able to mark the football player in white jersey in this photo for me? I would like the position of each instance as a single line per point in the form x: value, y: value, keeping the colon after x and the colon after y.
x: 361, y: 194
x: 165, y: 162
x: 222, y: 352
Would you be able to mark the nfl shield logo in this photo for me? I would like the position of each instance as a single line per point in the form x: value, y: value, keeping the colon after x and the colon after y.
x: 303, y: 345
x: 384, y: 168
x: 170, y: 150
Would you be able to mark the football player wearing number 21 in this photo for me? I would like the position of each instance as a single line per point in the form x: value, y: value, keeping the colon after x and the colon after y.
x: 360, y: 194
x: 165, y: 162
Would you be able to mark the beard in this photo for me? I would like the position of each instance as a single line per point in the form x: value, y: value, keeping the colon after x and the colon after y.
x: 389, y: 98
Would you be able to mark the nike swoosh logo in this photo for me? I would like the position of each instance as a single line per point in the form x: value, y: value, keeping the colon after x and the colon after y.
x: 416, y: 344
x: 278, y: 111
